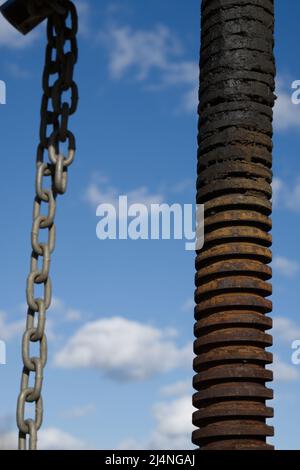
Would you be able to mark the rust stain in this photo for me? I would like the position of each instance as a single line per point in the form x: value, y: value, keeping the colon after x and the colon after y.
x: 234, y: 184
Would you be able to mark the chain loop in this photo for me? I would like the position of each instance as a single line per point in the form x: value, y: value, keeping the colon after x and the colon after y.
x: 37, y: 225
x: 61, y: 57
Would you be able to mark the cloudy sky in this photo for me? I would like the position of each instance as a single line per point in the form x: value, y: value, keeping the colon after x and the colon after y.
x: 120, y: 306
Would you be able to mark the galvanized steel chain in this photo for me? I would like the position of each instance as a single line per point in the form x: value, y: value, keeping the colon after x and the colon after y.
x: 61, y: 57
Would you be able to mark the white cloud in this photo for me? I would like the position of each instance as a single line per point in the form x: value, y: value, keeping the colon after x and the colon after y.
x: 284, y: 372
x: 56, y: 439
x: 285, y: 266
x: 286, y: 195
x: 10, y: 330
x: 172, y: 430
x: 153, y: 56
x: 178, y: 388
x: 174, y: 422
x: 10, y: 37
x: 66, y: 313
x: 56, y: 304
x: 15, y: 329
x: 73, y: 315
x: 16, y: 71
x: 84, y: 13
x: 8, y: 440
x: 100, y: 191
x: 190, y: 99
x: 277, y: 186
x: 48, y: 439
x: 188, y: 305
x: 80, y: 411
x: 285, y: 329
x: 286, y: 114
x: 292, y: 198
x: 123, y: 350
x: 140, y: 50
x: 186, y: 184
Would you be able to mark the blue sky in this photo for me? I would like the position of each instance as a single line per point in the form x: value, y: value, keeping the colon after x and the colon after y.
x: 120, y: 305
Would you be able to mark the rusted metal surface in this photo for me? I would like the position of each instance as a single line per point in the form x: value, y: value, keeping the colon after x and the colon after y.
x: 234, y: 183
x: 25, y: 15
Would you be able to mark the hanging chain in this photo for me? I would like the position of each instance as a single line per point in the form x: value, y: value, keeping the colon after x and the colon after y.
x: 61, y: 32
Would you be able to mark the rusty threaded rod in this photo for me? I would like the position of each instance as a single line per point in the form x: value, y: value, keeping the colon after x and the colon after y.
x: 234, y: 183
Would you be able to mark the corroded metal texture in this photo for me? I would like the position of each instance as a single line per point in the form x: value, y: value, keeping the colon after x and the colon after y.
x: 234, y: 183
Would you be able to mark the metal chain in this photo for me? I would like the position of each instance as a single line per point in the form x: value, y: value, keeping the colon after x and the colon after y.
x: 61, y: 32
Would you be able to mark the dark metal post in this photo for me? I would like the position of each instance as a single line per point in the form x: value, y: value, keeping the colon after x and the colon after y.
x: 234, y: 183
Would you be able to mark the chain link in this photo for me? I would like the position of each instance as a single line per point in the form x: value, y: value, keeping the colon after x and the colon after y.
x: 61, y: 64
